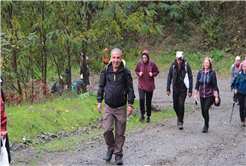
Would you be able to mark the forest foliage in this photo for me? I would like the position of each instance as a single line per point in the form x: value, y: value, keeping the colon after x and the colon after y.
x: 39, y: 39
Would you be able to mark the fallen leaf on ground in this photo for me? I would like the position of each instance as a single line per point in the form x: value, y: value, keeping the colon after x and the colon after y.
x: 59, y: 150
x: 161, y: 143
x: 234, y: 145
x: 65, y: 127
x: 222, y: 145
x: 60, y: 108
x: 89, y: 143
x: 89, y: 132
x: 227, y: 157
x: 142, y: 140
x: 55, y: 109
x: 64, y: 119
x: 32, y: 148
x: 75, y: 128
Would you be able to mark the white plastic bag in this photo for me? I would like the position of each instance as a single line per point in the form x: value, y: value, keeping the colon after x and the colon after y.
x: 186, y: 81
x: 4, y: 160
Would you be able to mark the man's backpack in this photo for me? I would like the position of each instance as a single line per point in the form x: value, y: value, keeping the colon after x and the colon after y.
x: 78, y: 85
x: 53, y: 88
x: 150, y: 65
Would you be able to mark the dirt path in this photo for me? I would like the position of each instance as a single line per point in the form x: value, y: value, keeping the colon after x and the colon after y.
x: 164, y: 144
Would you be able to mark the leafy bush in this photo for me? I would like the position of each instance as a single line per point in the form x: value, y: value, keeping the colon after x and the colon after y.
x: 217, y: 55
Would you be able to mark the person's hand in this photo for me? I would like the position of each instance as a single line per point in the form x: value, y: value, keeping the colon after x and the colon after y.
x: 216, y: 99
x: 195, y: 97
x: 189, y: 94
x: 129, y: 110
x: 99, y: 107
x: 140, y: 74
x: 150, y: 74
x: 168, y: 93
x: 236, y: 91
x: 3, y: 134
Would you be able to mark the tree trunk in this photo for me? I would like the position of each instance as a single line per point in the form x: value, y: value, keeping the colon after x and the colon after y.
x: 16, y: 72
x: 84, y: 67
x: 69, y: 65
x: 58, y: 70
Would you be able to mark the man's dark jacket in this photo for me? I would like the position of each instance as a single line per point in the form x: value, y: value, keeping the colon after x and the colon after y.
x: 118, y: 88
x: 172, y: 73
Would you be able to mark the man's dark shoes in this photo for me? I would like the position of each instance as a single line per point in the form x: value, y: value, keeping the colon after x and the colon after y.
x: 118, y: 159
x: 109, y: 155
x: 148, y: 119
x: 142, y: 118
x: 180, y: 126
x: 205, y: 129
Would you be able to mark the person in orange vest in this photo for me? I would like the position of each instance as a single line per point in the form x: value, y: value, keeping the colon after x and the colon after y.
x: 106, y: 55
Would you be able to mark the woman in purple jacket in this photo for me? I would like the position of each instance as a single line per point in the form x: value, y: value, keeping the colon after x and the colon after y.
x: 146, y: 69
x: 206, y: 84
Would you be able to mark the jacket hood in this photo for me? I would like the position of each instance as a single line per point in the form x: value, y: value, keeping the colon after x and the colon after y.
x: 145, y: 52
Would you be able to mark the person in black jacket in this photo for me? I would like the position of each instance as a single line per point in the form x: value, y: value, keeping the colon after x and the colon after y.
x: 67, y: 77
x: 116, y: 82
x: 177, y: 72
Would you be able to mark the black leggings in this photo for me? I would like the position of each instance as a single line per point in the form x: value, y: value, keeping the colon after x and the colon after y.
x: 148, y: 101
x: 205, y: 104
x: 242, y: 103
x: 178, y: 104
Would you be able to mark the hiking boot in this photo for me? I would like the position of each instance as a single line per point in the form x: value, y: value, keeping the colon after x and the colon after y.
x: 180, y: 126
x: 142, y: 118
x: 205, y: 129
x: 118, y: 159
x: 242, y: 123
x: 109, y: 155
x: 148, y: 119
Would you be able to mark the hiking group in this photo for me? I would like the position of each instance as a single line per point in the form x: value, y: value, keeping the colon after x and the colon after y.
x: 64, y: 80
x: 116, y: 88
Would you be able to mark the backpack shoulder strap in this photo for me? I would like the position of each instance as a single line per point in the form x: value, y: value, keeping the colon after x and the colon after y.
x: 141, y: 66
x: 106, y: 71
x: 185, y: 67
x: 150, y: 65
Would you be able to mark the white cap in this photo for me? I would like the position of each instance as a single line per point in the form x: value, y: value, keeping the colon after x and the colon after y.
x: 237, y: 58
x: 179, y: 54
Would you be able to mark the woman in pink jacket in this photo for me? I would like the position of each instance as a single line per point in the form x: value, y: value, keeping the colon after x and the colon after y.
x: 146, y: 69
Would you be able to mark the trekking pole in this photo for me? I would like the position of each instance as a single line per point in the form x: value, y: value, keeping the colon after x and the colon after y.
x: 232, y: 110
